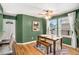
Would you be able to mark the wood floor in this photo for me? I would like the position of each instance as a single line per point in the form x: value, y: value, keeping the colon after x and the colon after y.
x: 28, y: 49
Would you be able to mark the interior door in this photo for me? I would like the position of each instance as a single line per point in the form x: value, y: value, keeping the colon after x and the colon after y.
x: 8, y: 28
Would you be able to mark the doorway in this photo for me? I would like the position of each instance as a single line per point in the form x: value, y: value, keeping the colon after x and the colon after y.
x: 8, y: 28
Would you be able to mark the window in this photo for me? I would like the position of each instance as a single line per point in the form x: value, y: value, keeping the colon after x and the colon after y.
x: 65, y: 26
x: 53, y: 26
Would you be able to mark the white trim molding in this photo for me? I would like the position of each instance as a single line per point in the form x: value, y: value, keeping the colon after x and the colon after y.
x: 26, y: 42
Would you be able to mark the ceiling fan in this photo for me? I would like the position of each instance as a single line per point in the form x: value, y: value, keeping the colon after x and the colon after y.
x: 47, y: 13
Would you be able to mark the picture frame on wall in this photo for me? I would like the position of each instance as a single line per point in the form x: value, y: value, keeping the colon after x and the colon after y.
x: 36, y: 26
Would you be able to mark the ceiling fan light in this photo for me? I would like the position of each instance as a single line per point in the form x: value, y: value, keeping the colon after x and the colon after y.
x: 47, y: 17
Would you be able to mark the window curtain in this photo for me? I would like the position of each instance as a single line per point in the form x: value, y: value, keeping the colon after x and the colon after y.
x: 77, y: 27
x: 72, y: 17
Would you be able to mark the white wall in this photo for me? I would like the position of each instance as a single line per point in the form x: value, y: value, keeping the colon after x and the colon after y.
x: 8, y: 29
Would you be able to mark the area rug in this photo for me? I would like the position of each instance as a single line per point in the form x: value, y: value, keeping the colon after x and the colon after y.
x: 42, y: 48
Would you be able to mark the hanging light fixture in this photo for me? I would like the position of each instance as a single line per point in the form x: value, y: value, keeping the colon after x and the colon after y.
x: 47, y: 17
x: 47, y: 14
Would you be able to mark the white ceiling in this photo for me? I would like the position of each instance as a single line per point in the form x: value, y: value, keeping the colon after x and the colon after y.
x: 34, y: 8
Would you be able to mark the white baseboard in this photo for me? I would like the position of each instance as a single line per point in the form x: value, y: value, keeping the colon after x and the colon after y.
x: 67, y: 45
x: 26, y: 42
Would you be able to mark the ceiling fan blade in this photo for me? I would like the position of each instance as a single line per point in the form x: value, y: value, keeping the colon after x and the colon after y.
x: 47, y: 13
x: 45, y: 10
x: 48, y: 10
x: 41, y: 13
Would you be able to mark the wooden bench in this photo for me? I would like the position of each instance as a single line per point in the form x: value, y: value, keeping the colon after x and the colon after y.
x: 46, y: 44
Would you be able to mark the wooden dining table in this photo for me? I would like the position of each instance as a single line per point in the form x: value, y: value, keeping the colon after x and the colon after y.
x: 52, y: 38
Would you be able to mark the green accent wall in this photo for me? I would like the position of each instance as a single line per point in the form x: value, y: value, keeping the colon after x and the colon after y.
x: 67, y: 41
x: 19, y: 28
x: 1, y: 9
x: 24, y: 25
x: 77, y: 27
x: 57, y: 28
x: 9, y: 17
x: 1, y: 20
x: 44, y: 25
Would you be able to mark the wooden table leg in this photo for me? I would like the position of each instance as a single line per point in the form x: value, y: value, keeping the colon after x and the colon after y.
x: 61, y: 43
x: 50, y: 48
x: 54, y: 45
x: 37, y: 43
x: 47, y: 50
